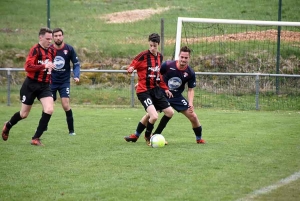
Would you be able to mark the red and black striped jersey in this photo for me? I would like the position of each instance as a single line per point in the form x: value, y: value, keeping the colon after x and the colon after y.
x: 35, y: 63
x: 147, y: 66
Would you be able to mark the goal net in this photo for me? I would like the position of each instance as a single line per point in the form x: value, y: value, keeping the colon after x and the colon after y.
x: 240, y: 46
x: 226, y: 54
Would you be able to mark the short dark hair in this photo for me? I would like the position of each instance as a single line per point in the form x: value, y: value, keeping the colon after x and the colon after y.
x: 58, y: 30
x: 154, y: 37
x: 44, y: 30
x: 185, y: 49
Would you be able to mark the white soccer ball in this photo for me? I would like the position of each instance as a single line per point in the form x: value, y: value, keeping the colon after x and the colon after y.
x: 157, y: 140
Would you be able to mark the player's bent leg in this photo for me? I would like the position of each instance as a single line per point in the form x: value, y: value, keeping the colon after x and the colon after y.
x: 192, y: 116
x: 197, y: 128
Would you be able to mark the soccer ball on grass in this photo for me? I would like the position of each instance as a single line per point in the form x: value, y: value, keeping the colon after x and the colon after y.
x: 157, y: 140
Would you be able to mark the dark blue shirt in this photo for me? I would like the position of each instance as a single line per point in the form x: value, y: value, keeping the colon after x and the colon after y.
x: 62, y: 71
x: 176, y: 78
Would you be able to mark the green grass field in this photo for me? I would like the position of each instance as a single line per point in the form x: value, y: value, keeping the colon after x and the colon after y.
x: 245, y: 151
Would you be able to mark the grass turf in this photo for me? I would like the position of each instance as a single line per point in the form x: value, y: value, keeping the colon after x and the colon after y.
x: 245, y: 151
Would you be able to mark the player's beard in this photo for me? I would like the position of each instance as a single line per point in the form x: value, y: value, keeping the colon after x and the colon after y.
x: 58, y: 42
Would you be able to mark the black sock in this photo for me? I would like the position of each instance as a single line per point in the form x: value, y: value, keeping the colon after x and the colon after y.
x: 14, y: 120
x: 42, y: 125
x: 70, y: 120
x: 162, y: 124
x: 198, y: 132
x: 149, y: 129
x: 139, y: 129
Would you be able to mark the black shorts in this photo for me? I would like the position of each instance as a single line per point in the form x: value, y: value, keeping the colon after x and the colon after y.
x: 179, y: 103
x: 32, y: 89
x: 153, y: 97
x: 63, y: 90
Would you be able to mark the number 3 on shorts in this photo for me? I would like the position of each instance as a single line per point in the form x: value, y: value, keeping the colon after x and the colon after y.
x: 184, y: 102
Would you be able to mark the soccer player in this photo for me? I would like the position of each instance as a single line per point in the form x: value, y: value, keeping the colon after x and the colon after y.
x: 177, y: 74
x: 38, y: 65
x: 60, y: 77
x: 147, y: 64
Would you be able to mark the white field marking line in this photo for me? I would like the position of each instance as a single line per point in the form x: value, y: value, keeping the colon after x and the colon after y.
x: 270, y: 188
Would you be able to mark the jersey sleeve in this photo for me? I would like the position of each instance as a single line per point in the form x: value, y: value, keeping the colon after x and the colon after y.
x: 162, y: 84
x: 192, y: 81
x: 76, y: 63
x: 31, y: 59
x: 137, y: 61
x: 133, y: 64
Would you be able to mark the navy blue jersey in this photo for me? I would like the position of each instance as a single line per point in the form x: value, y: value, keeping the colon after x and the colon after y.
x: 62, y: 71
x: 176, y: 78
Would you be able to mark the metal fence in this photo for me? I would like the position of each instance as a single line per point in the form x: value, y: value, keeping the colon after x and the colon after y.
x: 115, y: 88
